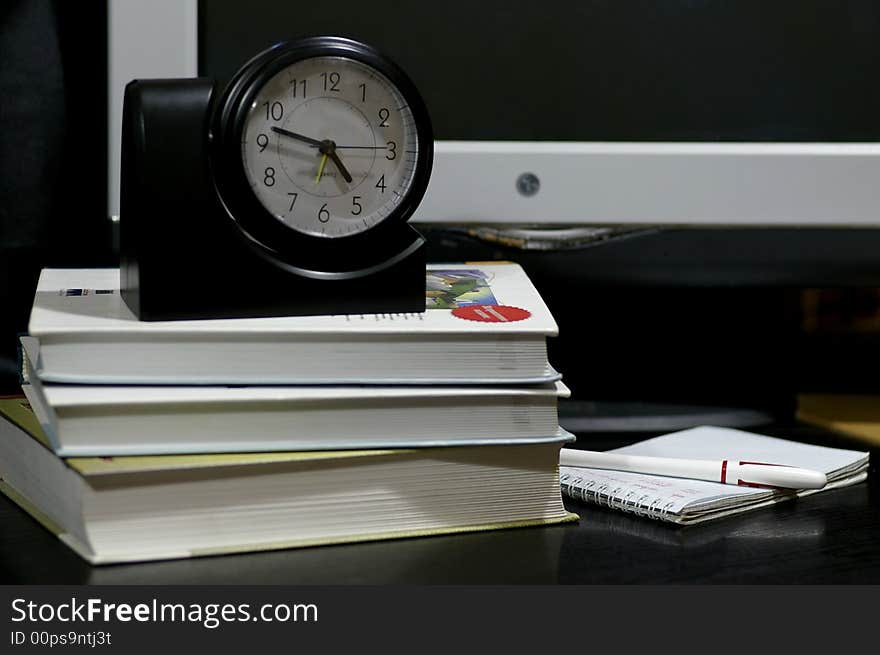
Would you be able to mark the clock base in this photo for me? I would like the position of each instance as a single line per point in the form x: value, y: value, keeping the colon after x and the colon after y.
x: 202, y: 290
x: 182, y: 257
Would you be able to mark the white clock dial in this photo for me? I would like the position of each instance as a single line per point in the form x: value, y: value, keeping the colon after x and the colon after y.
x: 329, y: 146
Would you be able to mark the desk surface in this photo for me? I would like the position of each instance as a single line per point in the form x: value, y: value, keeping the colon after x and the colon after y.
x: 828, y: 538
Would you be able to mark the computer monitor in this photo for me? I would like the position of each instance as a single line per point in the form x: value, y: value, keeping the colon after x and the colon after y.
x: 725, y: 144
x: 638, y: 112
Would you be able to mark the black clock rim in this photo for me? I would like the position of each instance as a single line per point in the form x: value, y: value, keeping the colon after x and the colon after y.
x: 284, y: 245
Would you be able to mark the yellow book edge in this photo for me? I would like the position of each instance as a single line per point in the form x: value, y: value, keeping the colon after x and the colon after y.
x: 864, y: 431
x: 856, y: 416
x: 18, y: 411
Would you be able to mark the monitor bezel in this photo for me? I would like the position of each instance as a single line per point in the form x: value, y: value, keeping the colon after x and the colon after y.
x: 585, y: 183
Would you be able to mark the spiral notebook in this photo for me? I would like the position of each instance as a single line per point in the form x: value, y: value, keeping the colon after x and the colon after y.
x: 685, y: 502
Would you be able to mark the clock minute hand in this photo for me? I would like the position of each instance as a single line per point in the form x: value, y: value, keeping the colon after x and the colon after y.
x: 298, y: 137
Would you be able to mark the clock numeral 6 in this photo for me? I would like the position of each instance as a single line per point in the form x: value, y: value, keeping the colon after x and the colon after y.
x: 356, y: 207
x: 323, y: 213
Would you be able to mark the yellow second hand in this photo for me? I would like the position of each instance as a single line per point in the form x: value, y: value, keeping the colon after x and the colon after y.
x: 321, y: 168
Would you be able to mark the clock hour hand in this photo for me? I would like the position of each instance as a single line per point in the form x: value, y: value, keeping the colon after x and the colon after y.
x: 298, y: 137
x: 331, y: 153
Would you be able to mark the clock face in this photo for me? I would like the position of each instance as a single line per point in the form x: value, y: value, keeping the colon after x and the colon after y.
x: 329, y: 146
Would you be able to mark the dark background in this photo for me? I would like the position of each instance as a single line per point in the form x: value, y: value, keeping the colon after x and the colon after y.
x: 706, y: 317
x: 53, y: 151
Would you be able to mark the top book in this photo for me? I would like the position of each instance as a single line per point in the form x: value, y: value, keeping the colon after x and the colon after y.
x: 484, y: 323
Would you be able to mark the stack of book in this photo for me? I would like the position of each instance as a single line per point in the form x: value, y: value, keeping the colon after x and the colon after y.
x: 183, y: 438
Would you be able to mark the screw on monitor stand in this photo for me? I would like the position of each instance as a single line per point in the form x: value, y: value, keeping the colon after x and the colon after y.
x: 528, y: 184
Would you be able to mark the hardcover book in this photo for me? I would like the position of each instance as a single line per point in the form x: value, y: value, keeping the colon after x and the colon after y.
x: 483, y: 324
x: 123, y: 509
x: 130, y: 420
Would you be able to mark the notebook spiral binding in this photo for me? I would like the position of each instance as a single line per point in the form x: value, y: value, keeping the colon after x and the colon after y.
x: 615, y: 497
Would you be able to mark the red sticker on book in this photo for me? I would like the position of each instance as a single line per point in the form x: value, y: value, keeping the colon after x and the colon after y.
x: 491, y: 313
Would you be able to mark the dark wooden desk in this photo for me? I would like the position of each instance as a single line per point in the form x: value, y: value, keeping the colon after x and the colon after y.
x: 829, y: 538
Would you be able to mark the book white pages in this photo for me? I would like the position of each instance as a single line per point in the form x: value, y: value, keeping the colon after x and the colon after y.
x: 103, y: 420
x: 129, y: 420
x: 692, y: 501
x: 484, y: 323
x: 122, y: 509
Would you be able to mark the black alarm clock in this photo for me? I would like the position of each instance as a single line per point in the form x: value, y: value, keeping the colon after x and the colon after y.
x: 286, y: 193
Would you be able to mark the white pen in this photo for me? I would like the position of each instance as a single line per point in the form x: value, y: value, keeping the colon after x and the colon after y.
x: 736, y: 472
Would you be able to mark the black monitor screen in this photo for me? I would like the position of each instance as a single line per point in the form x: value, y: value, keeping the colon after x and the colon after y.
x: 600, y: 70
